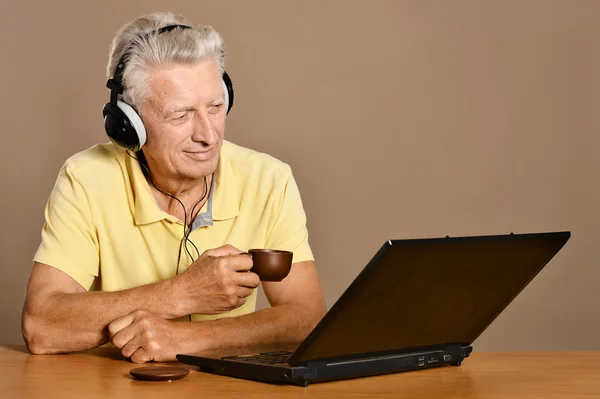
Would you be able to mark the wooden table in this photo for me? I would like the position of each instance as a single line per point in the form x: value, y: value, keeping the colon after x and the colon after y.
x: 103, y: 373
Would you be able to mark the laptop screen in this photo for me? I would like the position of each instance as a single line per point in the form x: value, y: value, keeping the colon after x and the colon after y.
x: 428, y: 292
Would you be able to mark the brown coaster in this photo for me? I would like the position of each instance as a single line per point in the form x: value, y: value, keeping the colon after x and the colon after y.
x: 159, y: 373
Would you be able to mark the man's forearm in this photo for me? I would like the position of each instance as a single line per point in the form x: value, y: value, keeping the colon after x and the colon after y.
x: 67, y: 322
x: 272, y: 328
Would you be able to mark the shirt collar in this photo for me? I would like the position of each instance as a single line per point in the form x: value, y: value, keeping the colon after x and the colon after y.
x: 224, y: 195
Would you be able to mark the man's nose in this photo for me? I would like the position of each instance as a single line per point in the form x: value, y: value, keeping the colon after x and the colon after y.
x: 204, y: 131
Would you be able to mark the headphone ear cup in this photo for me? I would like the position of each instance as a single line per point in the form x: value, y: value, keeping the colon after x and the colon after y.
x: 124, y: 126
x: 228, y: 88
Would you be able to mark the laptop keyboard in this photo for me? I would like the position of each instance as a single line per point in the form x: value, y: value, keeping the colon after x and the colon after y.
x: 280, y: 357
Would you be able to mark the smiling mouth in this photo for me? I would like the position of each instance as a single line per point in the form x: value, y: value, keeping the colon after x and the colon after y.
x: 200, y: 155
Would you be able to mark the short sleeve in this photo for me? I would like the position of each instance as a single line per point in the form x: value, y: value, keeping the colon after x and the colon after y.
x: 289, y: 231
x: 69, y: 241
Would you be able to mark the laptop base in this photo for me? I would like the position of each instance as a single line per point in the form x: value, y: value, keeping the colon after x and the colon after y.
x: 322, y: 371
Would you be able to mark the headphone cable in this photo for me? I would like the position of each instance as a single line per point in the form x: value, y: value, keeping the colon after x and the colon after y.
x: 186, y: 229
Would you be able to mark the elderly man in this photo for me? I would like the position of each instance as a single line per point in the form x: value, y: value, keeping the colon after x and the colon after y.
x: 149, y: 230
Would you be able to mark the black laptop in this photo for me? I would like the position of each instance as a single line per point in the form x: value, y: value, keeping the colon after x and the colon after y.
x: 417, y: 304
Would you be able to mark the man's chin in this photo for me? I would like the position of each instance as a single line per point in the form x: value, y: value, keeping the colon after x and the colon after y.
x: 195, y: 172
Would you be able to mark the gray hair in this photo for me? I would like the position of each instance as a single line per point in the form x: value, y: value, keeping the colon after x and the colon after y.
x: 145, y: 50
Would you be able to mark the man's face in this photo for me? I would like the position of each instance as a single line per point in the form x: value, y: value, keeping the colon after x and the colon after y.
x: 185, y: 119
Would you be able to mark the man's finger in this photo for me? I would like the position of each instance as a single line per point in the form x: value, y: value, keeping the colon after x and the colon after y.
x: 225, y: 250
x: 118, y: 324
x: 130, y: 346
x: 244, y: 292
x: 141, y: 356
x: 124, y: 336
x: 240, y: 263
x: 248, y: 279
x: 241, y: 302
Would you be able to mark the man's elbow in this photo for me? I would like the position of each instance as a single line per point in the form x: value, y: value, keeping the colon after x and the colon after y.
x: 33, y: 334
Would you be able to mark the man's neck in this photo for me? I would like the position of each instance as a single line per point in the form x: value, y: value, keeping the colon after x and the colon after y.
x: 193, y: 199
x: 169, y: 191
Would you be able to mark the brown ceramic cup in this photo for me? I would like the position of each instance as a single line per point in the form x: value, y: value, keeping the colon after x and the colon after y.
x: 271, y: 264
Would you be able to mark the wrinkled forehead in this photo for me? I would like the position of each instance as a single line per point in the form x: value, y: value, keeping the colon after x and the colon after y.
x: 193, y: 84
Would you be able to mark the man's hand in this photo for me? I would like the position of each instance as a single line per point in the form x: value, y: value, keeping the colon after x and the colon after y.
x: 144, y: 337
x: 217, y: 282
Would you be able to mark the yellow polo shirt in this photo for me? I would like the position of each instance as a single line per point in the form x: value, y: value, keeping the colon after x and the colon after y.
x: 104, y: 228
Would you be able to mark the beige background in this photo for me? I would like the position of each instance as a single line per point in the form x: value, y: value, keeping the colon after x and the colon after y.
x: 401, y: 119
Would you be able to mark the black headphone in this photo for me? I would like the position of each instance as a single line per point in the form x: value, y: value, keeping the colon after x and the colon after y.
x: 122, y: 123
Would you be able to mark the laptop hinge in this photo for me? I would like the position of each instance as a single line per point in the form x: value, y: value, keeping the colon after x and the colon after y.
x: 309, y: 370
